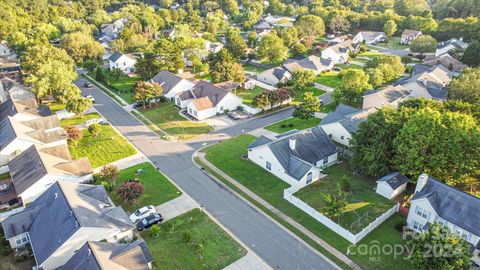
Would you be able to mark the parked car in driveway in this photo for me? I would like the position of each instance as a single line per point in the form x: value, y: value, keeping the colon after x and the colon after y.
x: 87, y: 85
x: 233, y: 115
x: 142, y: 213
x: 149, y: 221
x: 136, y: 105
x: 338, y: 69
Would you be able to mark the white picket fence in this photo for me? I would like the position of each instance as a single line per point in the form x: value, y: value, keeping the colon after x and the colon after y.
x: 351, y: 237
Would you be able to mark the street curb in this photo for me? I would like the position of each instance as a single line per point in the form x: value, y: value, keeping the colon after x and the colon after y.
x: 260, y: 210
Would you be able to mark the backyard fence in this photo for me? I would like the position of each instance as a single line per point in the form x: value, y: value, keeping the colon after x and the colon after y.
x: 351, y: 237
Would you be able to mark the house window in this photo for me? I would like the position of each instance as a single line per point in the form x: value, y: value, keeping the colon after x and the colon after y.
x: 309, y: 177
x: 422, y: 212
x: 21, y: 239
x: 341, y: 137
x: 416, y: 226
x: 325, y: 161
x: 268, y: 165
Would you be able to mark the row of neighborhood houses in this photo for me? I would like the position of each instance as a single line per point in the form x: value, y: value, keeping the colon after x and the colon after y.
x: 67, y: 223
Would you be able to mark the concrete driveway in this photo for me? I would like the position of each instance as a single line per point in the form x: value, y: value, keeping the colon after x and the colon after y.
x: 176, y: 207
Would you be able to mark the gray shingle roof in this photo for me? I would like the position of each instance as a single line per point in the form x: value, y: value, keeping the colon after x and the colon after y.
x: 167, y: 80
x: 115, y: 56
x: 311, y: 146
x: 205, y: 89
x: 7, y: 133
x: 340, y: 113
x: 349, y: 117
x: 451, y: 204
x: 394, y: 179
x: 279, y: 73
x: 7, y: 108
x: 259, y: 141
x: 26, y: 169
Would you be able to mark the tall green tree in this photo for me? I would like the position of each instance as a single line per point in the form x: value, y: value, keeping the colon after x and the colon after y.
x: 390, y: 28
x: 466, y: 87
x: 272, y: 49
x: 310, y: 26
x: 339, y: 24
x: 423, y: 44
x: 308, y: 107
x: 145, y: 91
x: 224, y: 67
x: 439, y: 248
x: 78, y: 105
x: 354, y: 83
x: 471, y: 56
x: 235, y: 43
x: 303, y: 79
x: 81, y: 47
x: 335, y: 203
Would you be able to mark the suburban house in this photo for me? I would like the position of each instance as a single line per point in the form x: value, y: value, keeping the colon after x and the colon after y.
x: 437, y: 202
x: 11, y: 88
x: 6, y: 52
x: 168, y: 33
x: 369, y: 37
x: 337, y: 53
x: 392, y: 184
x: 296, y: 157
x: 37, y: 168
x: 213, y: 47
x: 313, y: 63
x: 23, y: 109
x: 205, y: 100
x: 409, y: 35
x: 447, y: 61
x: 59, y: 222
x: 105, y: 256
x: 171, y: 84
x: 274, y: 76
x: 425, y: 82
x: 16, y: 136
x: 445, y: 47
x: 113, y: 29
x: 264, y: 26
x: 340, y: 124
x: 124, y: 62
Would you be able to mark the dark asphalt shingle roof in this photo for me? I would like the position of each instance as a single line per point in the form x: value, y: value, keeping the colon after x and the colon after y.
x: 7, y: 133
x: 167, y: 80
x: 115, y: 56
x: 259, y: 141
x: 203, y: 89
x: 311, y: 146
x: 349, y: 117
x: 394, y: 179
x: 7, y: 108
x: 26, y: 169
x: 451, y: 204
x: 340, y: 113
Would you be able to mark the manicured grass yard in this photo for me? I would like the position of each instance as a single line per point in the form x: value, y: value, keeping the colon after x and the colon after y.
x: 293, y: 123
x: 351, y: 66
x: 361, y: 200
x: 179, y: 244
x: 370, y: 54
x: 107, y: 147
x: 328, y: 108
x: 158, y: 188
x: 55, y: 107
x: 206, y: 77
x: 122, y: 86
x: 248, y: 95
x: 166, y: 116
x: 329, y: 79
x: 253, y: 69
x: 393, y: 43
x: 77, y: 120
x: 4, y: 176
x: 227, y: 157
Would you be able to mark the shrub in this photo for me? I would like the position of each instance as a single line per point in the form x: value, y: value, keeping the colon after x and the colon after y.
x: 406, y: 59
x: 155, y: 231
x: 130, y: 191
x: 95, y: 129
x: 74, y: 133
x: 283, y: 125
x: 109, y: 173
x: 290, y: 125
x: 345, y: 184
x: 106, y: 185
x: 399, y: 225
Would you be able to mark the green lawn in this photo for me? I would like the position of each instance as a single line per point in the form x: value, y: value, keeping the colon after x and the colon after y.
x: 293, y: 123
x: 328, y: 108
x: 4, y: 176
x: 55, y: 107
x: 122, y: 86
x: 248, y: 95
x: 206, y: 77
x: 329, y: 79
x: 107, y: 147
x: 77, y: 120
x: 158, y: 189
x: 384, y: 235
x: 166, y: 116
x: 362, y: 200
x: 253, y: 69
x: 227, y: 157
x: 351, y: 66
x: 393, y: 43
x: 370, y: 54
x: 300, y: 94
x: 192, y: 241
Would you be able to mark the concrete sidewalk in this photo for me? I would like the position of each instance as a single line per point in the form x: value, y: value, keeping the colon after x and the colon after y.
x: 283, y: 216
x: 126, y: 162
x: 176, y: 207
x: 261, y: 131
x: 248, y: 262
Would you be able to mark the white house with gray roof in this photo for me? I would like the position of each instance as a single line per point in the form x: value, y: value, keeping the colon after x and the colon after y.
x: 274, y: 76
x: 113, y: 29
x: 370, y: 37
x: 391, y: 185
x: 23, y: 109
x: 124, y: 62
x: 436, y: 202
x: 445, y: 47
x: 63, y: 219
x: 16, y: 136
x: 106, y: 256
x: 340, y: 124
x: 296, y: 157
x: 37, y: 168
x: 205, y: 100
x: 171, y: 84
x: 313, y: 63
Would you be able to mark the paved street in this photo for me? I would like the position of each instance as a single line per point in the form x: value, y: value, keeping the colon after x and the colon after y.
x: 273, y: 244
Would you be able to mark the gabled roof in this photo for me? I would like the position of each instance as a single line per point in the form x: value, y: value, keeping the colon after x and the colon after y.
x: 115, y: 56
x: 394, y: 179
x: 106, y: 256
x: 446, y: 60
x: 28, y: 106
x: 205, y: 94
x: 371, y: 35
x: 277, y: 72
x: 311, y: 146
x: 452, y: 42
x: 7, y: 133
x: 347, y: 116
x: 311, y: 62
x: 35, y: 162
x: 412, y: 33
x: 259, y: 141
x: 451, y: 204
x: 167, y: 80
x: 389, y: 93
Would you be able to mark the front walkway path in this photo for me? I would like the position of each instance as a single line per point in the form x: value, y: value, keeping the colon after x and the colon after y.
x: 125, y: 162
x: 176, y: 207
x: 248, y: 262
x: 261, y: 131
x: 280, y: 214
